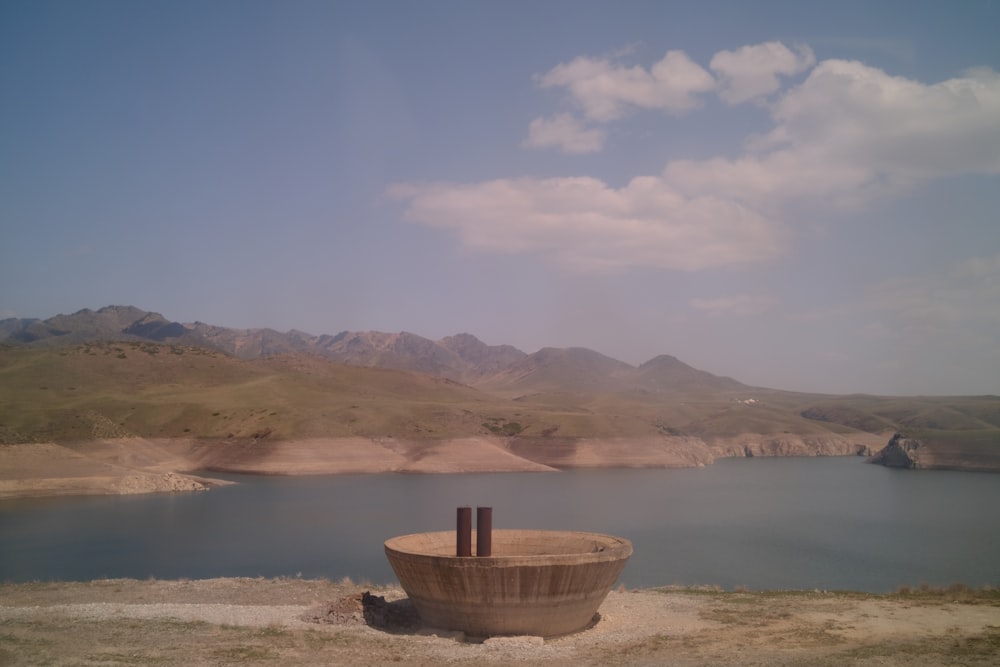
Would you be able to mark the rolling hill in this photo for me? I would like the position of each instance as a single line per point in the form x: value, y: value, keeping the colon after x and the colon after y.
x: 123, y: 372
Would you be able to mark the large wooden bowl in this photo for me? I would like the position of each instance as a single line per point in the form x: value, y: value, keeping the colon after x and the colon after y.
x: 536, y: 582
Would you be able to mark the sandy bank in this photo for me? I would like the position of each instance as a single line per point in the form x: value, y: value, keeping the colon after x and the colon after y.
x: 294, y: 621
x: 140, y: 465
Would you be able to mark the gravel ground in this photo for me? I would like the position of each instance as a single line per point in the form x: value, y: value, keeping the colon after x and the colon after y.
x: 294, y: 621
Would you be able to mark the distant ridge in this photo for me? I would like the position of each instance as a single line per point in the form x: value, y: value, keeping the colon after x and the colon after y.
x: 462, y: 357
x: 83, y: 325
x: 573, y: 369
x: 669, y: 373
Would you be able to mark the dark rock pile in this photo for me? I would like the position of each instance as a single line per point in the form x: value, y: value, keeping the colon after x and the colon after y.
x: 373, y: 610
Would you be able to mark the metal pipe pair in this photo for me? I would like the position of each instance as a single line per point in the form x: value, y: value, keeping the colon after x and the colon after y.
x: 484, y: 532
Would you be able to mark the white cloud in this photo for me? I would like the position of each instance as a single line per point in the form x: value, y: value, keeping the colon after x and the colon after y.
x: 583, y: 224
x: 907, y: 129
x: 605, y: 90
x: 735, y: 304
x: 565, y: 132
x: 846, y: 134
x: 850, y: 132
x: 751, y: 72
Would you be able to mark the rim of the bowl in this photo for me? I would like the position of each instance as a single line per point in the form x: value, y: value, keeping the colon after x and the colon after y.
x: 616, y: 547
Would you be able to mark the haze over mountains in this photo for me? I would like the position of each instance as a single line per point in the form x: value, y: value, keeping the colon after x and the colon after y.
x: 461, y: 358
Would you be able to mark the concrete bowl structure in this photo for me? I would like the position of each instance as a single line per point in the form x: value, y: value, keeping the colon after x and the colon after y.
x: 535, y: 582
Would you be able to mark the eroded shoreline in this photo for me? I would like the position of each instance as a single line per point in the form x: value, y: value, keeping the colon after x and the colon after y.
x: 139, y: 465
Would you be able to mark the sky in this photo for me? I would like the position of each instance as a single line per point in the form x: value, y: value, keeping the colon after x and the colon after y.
x: 799, y: 195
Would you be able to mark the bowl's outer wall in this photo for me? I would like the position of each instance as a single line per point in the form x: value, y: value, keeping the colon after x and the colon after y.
x: 536, y: 594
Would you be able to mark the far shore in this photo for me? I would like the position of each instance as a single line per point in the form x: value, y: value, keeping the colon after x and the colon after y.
x: 133, y: 465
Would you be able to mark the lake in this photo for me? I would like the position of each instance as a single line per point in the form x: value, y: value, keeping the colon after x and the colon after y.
x: 762, y: 523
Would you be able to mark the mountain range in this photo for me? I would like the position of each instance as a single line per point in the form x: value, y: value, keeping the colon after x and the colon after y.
x: 462, y: 358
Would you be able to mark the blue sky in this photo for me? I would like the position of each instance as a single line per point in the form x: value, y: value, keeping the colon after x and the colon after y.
x: 798, y: 195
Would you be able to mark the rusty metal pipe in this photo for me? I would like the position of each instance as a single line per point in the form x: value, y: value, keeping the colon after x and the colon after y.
x: 463, y: 543
x: 484, y: 531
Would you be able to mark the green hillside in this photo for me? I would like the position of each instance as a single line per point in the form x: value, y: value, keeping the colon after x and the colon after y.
x: 113, y: 389
x: 157, y: 390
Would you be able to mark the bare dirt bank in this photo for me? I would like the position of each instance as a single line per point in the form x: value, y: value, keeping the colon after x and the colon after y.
x: 139, y: 465
x: 294, y: 621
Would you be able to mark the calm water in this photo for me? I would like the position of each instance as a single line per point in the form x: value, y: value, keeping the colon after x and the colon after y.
x: 763, y: 523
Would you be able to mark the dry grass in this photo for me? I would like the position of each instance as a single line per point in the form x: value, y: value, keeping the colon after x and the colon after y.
x: 667, y: 626
x: 116, y: 389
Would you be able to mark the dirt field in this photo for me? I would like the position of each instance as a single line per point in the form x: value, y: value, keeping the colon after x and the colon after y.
x: 301, y: 622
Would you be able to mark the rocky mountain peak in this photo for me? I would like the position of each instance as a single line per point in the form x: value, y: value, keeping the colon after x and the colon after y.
x: 486, y: 359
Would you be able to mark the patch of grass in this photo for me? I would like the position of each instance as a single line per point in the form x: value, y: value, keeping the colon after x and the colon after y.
x: 120, y: 658
x: 984, y: 645
x: 939, y: 650
x: 756, y: 618
x: 271, y: 631
x: 316, y: 639
x: 243, y: 654
x: 653, y: 644
x: 951, y: 593
x: 500, y: 426
x: 16, y: 642
x: 176, y: 625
